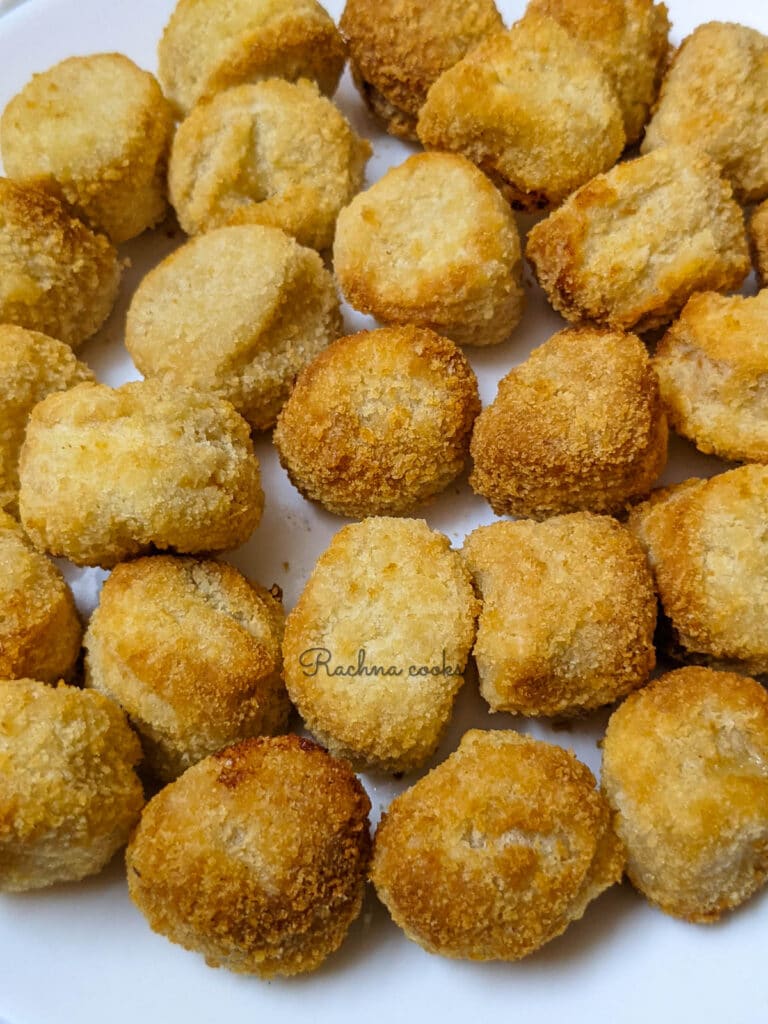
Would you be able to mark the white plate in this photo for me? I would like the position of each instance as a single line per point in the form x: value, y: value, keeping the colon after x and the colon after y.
x: 81, y: 954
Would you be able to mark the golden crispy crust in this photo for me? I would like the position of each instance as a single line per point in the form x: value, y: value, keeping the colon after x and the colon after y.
x: 408, y: 604
x: 530, y: 106
x: 578, y: 426
x: 496, y: 850
x: 433, y: 243
x: 630, y: 248
x: 70, y: 795
x: 379, y: 422
x: 684, y: 766
x: 239, y: 312
x: 308, y: 163
x: 758, y: 237
x: 256, y: 857
x: 107, y: 474
x: 568, y: 614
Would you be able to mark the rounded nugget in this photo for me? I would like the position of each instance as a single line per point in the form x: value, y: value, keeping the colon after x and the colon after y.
x: 377, y: 684
x: 256, y: 857
x: 684, y: 767
x: 69, y: 795
x: 239, y: 312
x: 307, y: 166
x: 578, y: 426
x: 433, y: 243
x: 107, y: 474
x: 379, y: 422
x: 568, y: 614
x: 758, y: 237
x: 56, y: 275
x: 94, y: 131
x: 497, y: 850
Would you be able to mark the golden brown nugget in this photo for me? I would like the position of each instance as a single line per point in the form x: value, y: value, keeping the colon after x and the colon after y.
x: 497, y: 850
x: 377, y: 683
x: 399, y: 48
x: 208, y: 47
x: 56, y: 275
x: 715, y: 97
x: 307, y: 166
x: 707, y: 546
x: 107, y: 474
x: 40, y: 630
x: 568, y: 613
x: 32, y: 366
x: 531, y: 107
x: 69, y: 796
x: 578, y: 426
x: 379, y: 422
x: 94, y: 131
x: 758, y: 237
x: 256, y: 857
x: 433, y: 243
x: 712, y: 366
x: 191, y: 650
x: 630, y: 248
x: 684, y: 767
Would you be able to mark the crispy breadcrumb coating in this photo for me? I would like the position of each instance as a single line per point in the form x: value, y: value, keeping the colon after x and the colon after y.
x: 758, y: 237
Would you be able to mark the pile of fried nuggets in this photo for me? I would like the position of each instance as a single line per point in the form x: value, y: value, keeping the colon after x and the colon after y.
x: 256, y: 847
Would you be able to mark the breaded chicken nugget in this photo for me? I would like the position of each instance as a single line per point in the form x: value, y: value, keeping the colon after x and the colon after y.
x: 208, y: 46
x: 192, y: 652
x: 568, y: 613
x: 497, y: 850
x: 758, y: 237
x: 531, y: 107
x: 399, y: 48
x: 379, y: 422
x: 307, y: 165
x: 376, y: 647
x: 106, y: 474
x: 707, y: 545
x: 56, y: 275
x: 40, y: 630
x: 256, y: 857
x: 715, y: 97
x: 96, y: 132
x: 630, y: 248
x: 684, y: 767
x: 712, y: 366
x: 578, y: 426
x: 433, y: 243
x: 69, y: 795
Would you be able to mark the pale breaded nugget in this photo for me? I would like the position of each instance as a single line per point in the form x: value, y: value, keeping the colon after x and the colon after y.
x: 629, y: 38
x: 399, y: 48
x: 707, y: 545
x: 578, y: 426
x: 712, y: 366
x: 758, y: 237
x: 209, y: 46
x: 56, y: 275
x: 40, y: 630
x: 433, y: 243
x: 192, y: 652
x: 497, y: 850
x: 94, y: 131
x: 307, y: 165
x: 715, y: 97
x: 379, y: 422
x: 106, y: 474
x: 256, y: 857
x: 531, y: 107
x: 568, y: 613
x: 32, y: 366
x: 239, y: 312
x: 376, y: 647
x: 630, y: 248
x: 69, y: 795
x: 684, y: 767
